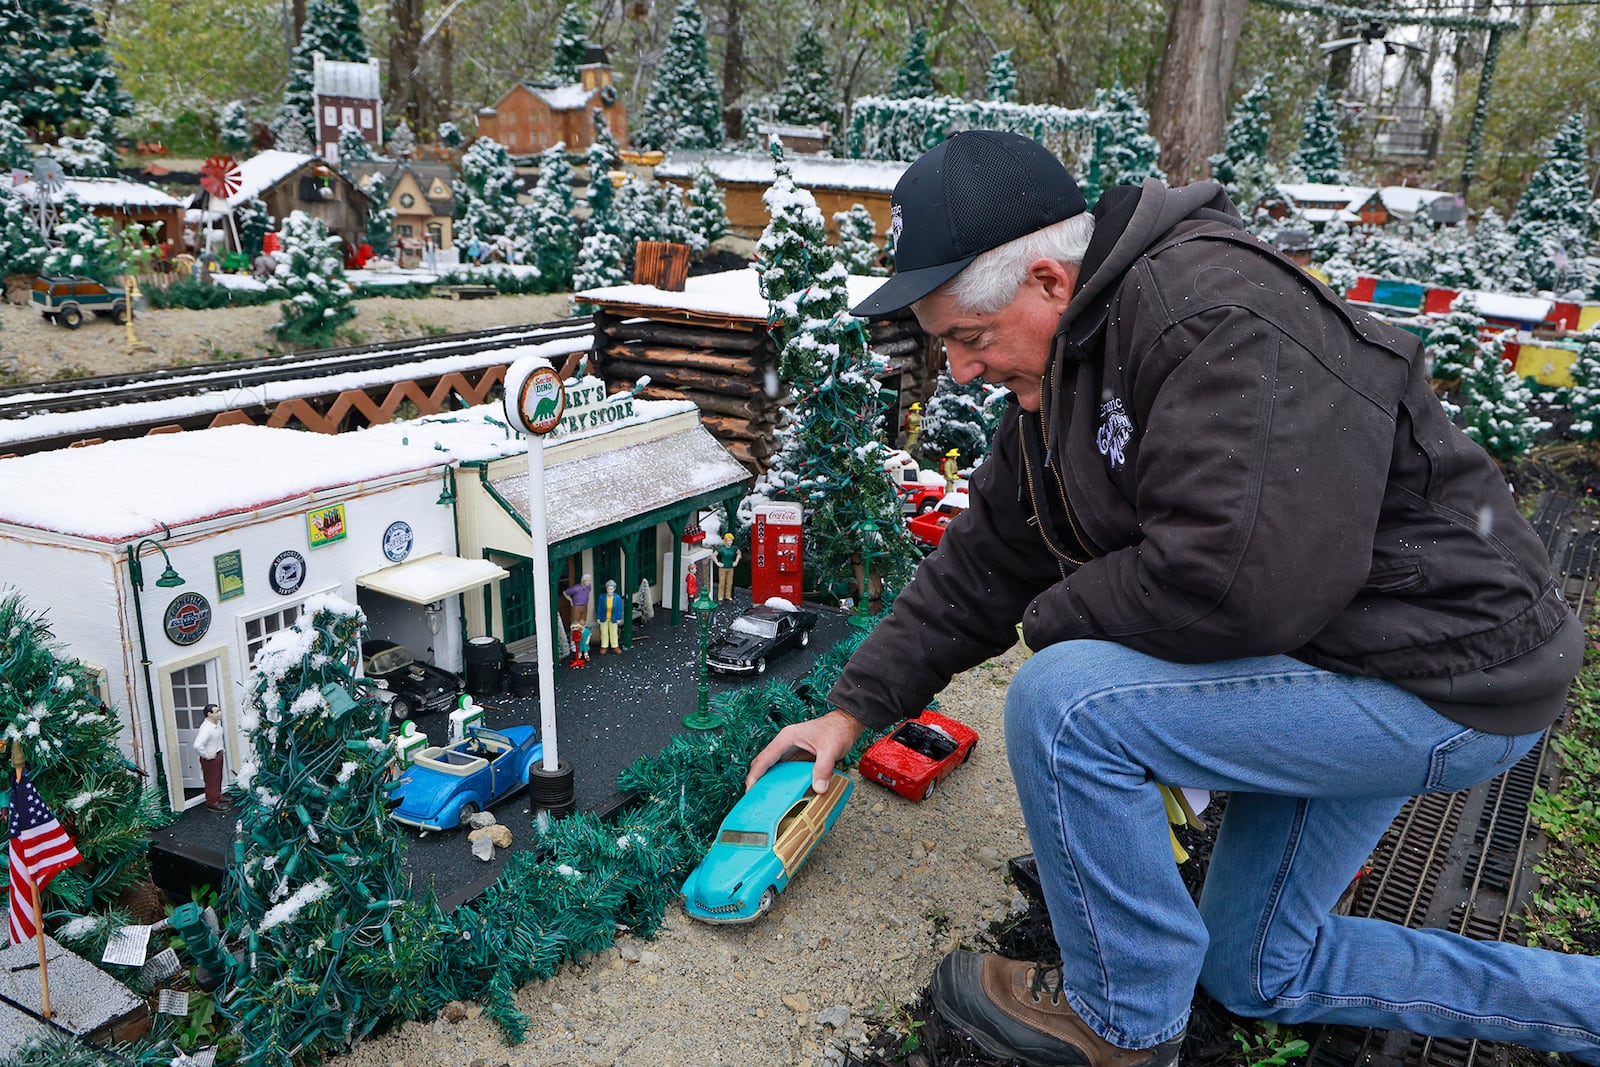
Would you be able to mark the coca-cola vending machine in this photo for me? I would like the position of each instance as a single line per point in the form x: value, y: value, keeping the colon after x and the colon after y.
x: 777, y: 552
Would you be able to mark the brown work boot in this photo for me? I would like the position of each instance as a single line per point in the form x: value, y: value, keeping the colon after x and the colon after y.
x: 1016, y: 1011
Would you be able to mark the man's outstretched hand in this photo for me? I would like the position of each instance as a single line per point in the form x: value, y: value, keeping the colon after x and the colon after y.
x: 827, y: 738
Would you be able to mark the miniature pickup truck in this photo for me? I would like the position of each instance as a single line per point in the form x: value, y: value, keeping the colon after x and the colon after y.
x: 63, y: 300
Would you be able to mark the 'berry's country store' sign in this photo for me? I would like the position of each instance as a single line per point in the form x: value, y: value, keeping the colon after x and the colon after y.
x: 588, y: 406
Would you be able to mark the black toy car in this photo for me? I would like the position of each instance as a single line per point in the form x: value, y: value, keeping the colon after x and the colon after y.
x: 758, y: 635
x: 408, y: 685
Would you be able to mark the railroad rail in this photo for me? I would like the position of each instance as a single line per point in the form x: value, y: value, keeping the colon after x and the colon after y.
x: 320, y: 389
x: 1463, y: 861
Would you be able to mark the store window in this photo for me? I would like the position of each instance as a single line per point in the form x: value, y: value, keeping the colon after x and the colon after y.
x: 258, y: 629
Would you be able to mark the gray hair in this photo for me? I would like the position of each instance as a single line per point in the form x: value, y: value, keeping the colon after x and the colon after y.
x: 991, y: 281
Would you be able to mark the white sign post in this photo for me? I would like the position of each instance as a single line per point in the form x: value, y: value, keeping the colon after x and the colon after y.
x: 534, y: 401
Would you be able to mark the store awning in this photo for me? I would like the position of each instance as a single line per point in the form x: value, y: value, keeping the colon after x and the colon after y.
x: 428, y: 578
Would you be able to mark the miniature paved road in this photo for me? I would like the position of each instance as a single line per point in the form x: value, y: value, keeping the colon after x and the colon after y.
x: 608, y: 714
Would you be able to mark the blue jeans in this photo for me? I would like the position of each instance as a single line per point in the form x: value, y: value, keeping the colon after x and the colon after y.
x: 1316, y: 765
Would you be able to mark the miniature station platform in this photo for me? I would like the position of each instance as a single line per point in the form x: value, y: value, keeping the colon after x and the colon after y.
x: 608, y: 714
x: 84, y: 1000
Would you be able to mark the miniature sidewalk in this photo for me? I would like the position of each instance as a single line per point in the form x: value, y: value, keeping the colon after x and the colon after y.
x: 608, y: 714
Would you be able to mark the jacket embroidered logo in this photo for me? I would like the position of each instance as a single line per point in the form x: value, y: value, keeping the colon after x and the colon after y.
x: 1115, y: 430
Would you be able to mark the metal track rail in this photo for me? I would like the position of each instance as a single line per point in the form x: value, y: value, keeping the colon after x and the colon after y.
x: 1463, y: 861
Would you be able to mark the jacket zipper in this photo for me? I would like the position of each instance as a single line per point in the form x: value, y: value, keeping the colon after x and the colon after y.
x: 1040, y: 515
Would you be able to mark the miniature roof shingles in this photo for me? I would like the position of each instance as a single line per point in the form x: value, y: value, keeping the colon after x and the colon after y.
x: 331, y: 77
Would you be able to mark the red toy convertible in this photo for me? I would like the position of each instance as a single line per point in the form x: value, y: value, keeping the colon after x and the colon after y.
x: 918, y: 755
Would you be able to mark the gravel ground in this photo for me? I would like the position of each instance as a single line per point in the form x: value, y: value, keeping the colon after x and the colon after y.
x: 32, y: 350
x: 887, y: 893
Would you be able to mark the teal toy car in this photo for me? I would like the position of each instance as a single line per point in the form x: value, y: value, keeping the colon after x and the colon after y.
x: 762, y: 843
x: 445, y: 784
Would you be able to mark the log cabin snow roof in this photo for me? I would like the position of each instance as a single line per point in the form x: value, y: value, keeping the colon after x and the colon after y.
x: 810, y: 172
x: 734, y: 293
x: 103, y: 192
x: 1404, y: 201
x: 1321, y: 202
x: 122, y: 490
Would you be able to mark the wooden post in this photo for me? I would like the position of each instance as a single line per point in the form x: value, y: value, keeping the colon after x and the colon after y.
x: 17, y: 762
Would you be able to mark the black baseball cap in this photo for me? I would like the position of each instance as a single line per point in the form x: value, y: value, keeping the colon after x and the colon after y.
x: 966, y: 195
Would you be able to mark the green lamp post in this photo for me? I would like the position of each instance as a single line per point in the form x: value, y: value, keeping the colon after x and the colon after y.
x: 861, y: 618
x: 703, y: 718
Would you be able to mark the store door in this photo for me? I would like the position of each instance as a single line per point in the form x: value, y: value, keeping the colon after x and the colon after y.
x: 193, y: 687
x: 516, y: 600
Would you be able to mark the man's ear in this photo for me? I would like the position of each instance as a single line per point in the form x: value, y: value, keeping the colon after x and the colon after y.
x: 1056, y: 280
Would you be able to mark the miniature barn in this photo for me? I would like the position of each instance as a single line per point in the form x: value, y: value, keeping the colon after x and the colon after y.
x: 119, y: 201
x: 744, y: 177
x: 710, y: 344
x: 287, y: 182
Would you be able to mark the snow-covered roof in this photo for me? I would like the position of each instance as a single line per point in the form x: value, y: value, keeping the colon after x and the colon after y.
x: 810, y: 172
x: 1405, y: 200
x: 622, y: 483
x: 1529, y: 309
x: 571, y: 97
x: 264, y: 170
x: 730, y: 292
x: 331, y: 77
x: 1348, y: 199
x: 122, y: 490
x: 103, y: 192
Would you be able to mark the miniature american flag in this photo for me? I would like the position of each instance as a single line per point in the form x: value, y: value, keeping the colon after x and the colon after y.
x: 40, y: 850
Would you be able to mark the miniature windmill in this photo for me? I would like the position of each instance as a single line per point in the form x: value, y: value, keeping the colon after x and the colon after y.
x: 48, y: 179
x: 219, y: 177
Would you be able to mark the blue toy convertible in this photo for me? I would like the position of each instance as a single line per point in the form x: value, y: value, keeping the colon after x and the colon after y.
x: 443, y: 785
x: 762, y: 842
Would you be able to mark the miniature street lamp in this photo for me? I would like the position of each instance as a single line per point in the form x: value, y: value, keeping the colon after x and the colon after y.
x: 862, y: 616
x: 703, y: 718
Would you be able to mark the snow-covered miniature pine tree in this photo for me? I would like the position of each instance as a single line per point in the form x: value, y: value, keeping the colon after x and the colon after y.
x: 649, y: 211
x: 1551, y: 221
x: 379, y: 232
x: 857, y: 250
x: 332, y: 28
x: 913, y: 78
x: 88, y: 142
x: 706, y: 210
x: 486, y: 192
x: 1495, y: 403
x: 353, y: 148
x: 52, y: 55
x: 810, y: 95
x: 1000, y: 81
x: 684, y: 108
x: 291, y: 132
x: 957, y: 416
x: 450, y: 135
x: 233, y: 123
x: 322, y: 904
x: 1122, y: 152
x: 831, y: 453
x: 1455, y: 341
x: 255, y: 222
x: 49, y: 702
x: 311, y: 271
x: 22, y: 246
x: 82, y: 245
x: 1243, y: 166
x: 570, y: 45
x: 15, y: 144
x: 1320, y: 157
x: 552, y: 229
x: 602, y: 260
x: 1583, y: 399
x: 1494, y: 253
x: 402, y: 142
x: 601, y: 193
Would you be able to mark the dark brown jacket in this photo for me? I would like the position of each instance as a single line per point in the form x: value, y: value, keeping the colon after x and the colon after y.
x: 1230, y: 462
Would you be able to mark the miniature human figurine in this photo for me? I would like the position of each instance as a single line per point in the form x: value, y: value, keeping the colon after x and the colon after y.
x: 913, y: 428
x: 608, y: 609
x: 691, y: 589
x: 577, y: 598
x: 948, y: 468
x: 728, y: 557
x: 580, y: 645
x: 208, y: 743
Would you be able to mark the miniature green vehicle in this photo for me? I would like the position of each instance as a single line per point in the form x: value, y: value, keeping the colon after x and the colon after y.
x: 63, y: 300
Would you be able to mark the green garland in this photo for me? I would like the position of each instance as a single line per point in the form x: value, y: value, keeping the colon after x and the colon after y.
x: 1402, y: 16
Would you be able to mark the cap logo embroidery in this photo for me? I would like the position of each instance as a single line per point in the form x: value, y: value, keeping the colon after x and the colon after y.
x: 1116, y: 429
x: 896, y: 223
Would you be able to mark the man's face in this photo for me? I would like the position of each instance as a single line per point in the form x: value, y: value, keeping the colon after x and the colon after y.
x: 1008, y: 347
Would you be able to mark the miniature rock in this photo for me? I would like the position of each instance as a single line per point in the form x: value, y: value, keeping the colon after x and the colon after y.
x: 482, y: 846
x: 835, y: 1017
x: 798, y: 1003
x: 453, y: 1012
x: 479, y: 819
x: 497, y: 833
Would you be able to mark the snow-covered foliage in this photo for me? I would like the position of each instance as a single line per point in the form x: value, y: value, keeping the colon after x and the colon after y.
x: 705, y: 211
x: 883, y: 127
x: 1583, y: 399
x: 486, y: 193
x: 684, y: 109
x: 83, y: 245
x: 233, y: 123
x: 22, y: 246
x: 1455, y: 341
x: 291, y: 131
x: 810, y: 95
x: 1320, y: 157
x: 379, y: 232
x: 402, y: 142
x: 602, y: 260
x: 88, y: 142
x: 311, y: 271
x: 331, y: 28
x: 600, y: 160
x: 552, y: 230
x: 857, y: 251
x: 1123, y: 152
x: 353, y: 148
x: 450, y: 135
x: 1551, y: 222
x: 14, y: 140
x: 570, y: 45
x: 55, y: 67
x: 1244, y: 166
x: 962, y: 417
x: 650, y: 211
x: 255, y: 222
x: 913, y: 78
x: 1495, y: 406
x: 1000, y: 81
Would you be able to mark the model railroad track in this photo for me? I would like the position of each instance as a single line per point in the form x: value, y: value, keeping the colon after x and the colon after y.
x: 1463, y: 861
x: 88, y: 395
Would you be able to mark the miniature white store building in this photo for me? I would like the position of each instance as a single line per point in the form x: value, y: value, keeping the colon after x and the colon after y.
x: 164, y: 562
